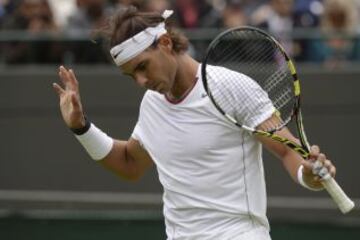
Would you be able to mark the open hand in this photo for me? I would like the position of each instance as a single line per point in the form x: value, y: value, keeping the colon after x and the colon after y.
x: 70, y: 103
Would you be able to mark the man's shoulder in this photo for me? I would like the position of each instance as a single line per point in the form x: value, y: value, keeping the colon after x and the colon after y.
x: 217, y: 70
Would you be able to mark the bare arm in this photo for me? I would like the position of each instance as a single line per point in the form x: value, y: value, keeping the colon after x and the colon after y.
x: 291, y: 160
x: 126, y: 158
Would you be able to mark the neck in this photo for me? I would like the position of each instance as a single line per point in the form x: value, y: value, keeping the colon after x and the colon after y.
x: 185, y: 76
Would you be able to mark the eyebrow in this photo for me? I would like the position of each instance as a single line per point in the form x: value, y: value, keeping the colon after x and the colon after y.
x: 135, y: 68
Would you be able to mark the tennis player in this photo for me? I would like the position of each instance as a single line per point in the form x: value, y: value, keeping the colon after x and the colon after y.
x: 211, y: 171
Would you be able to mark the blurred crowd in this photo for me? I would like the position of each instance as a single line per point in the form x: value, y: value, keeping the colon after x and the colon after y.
x: 324, y: 31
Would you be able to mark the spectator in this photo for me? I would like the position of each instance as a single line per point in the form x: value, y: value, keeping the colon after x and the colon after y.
x: 89, y: 16
x: 233, y: 15
x: 307, y: 13
x: 191, y: 13
x: 34, y: 17
x: 306, y: 17
x: 6, y: 8
x: 338, y: 27
x: 125, y: 3
x: 251, y: 5
x: 277, y: 18
x: 2, y: 10
x: 156, y: 5
x: 62, y: 9
x: 230, y: 15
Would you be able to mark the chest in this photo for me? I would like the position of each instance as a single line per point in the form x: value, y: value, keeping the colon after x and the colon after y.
x: 191, y: 130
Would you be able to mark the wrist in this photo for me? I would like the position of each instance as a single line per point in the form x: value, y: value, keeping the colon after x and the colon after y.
x: 97, y: 143
x: 81, y: 130
x: 300, y: 178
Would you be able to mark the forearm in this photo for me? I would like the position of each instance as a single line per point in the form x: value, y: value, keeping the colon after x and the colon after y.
x: 289, y: 158
x: 121, y: 163
x: 292, y: 161
x: 126, y: 159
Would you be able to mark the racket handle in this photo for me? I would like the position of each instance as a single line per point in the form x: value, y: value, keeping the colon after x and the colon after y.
x: 344, y: 203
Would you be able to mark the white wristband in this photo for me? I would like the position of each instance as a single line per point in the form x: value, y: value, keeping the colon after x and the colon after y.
x: 96, y: 142
x: 301, y: 180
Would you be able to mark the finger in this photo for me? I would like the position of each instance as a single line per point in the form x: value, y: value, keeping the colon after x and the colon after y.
x: 66, y: 78
x: 60, y: 91
x: 308, y: 166
x: 316, y: 167
x: 63, y: 75
x: 323, y: 173
x: 314, y: 152
x: 332, y: 171
x: 316, y: 181
x: 75, y: 101
x: 73, y: 77
x: 322, y: 158
x: 327, y: 163
x: 331, y: 168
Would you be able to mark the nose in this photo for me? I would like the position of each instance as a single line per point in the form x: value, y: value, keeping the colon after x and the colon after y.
x: 141, y: 80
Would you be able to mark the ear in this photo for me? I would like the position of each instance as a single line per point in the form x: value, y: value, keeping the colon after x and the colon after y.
x: 166, y: 42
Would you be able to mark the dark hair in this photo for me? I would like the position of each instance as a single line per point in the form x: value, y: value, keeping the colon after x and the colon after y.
x: 128, y: 21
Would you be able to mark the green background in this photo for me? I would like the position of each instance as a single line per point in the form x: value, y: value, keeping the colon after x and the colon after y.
x: 17, y: 228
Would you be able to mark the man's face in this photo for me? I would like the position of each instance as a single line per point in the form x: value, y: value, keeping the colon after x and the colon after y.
x: 153, y: 69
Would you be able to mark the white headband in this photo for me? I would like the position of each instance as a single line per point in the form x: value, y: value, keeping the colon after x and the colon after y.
x: 135, y: 45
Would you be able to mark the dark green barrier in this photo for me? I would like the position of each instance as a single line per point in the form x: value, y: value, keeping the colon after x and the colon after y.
x: 25, y: 229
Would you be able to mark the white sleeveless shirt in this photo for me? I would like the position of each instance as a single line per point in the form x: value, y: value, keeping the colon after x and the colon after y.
x: 210, y: 169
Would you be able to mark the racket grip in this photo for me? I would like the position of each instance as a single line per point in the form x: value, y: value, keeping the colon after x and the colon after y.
x: 344, y: 203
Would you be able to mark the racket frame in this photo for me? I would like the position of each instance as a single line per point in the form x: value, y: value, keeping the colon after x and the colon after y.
x: 344, y: 203
x: 302, y: 149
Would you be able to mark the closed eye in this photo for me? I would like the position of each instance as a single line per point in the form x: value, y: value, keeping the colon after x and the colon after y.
x: 141, y: 66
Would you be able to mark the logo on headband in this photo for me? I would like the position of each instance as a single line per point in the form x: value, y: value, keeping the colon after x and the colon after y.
x: 135, y: 45
x: 117, y: 54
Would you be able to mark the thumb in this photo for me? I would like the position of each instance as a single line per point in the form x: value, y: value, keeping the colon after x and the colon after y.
x: 58, y: 89
x: 314, y: 152
x: 308, y: 166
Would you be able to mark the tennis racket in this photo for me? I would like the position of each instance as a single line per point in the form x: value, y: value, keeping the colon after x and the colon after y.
x: 248, y: 76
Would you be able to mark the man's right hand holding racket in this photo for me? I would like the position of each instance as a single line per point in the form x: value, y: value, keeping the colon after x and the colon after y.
x: 317, y: 167
x: 313, y: 169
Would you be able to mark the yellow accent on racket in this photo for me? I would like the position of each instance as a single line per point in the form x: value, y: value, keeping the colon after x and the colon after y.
x: 291, y: 67
x: 297, y: 87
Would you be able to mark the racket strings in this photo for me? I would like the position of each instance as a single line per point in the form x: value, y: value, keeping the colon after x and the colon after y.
x: 239, y: 49
x: 249, y: 54
x: 284, y: 93
x: 266, y: 57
